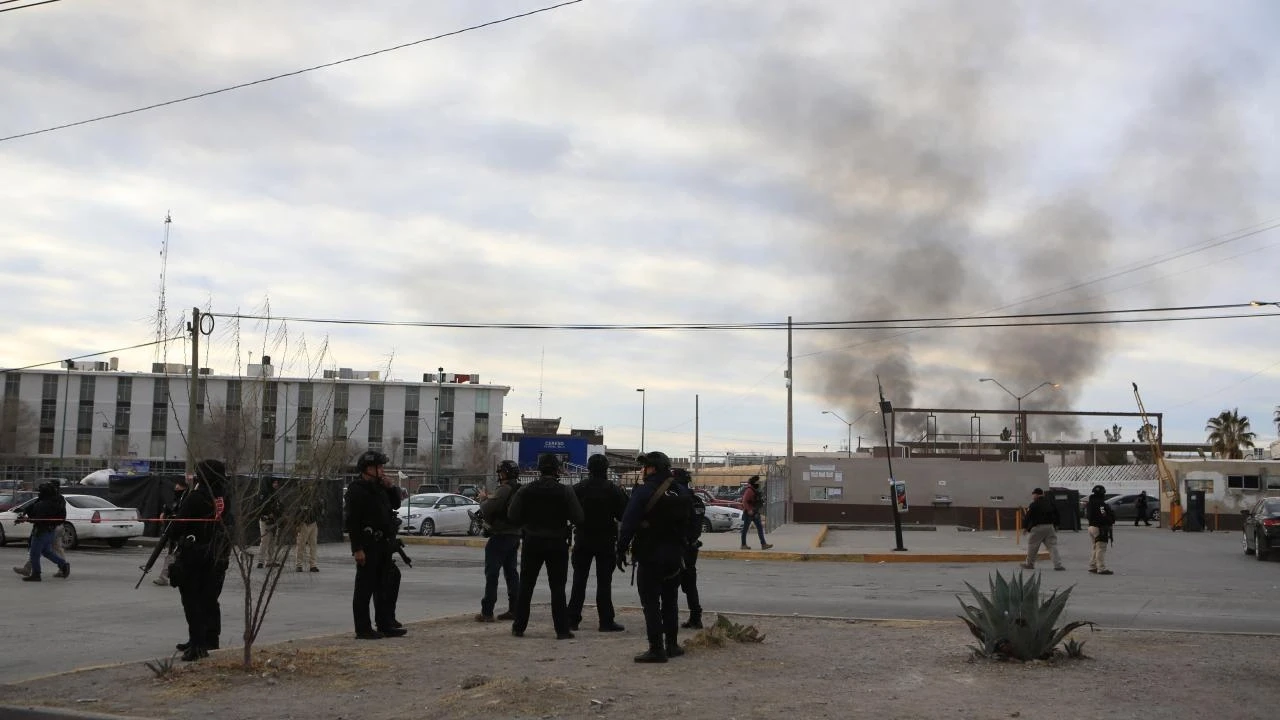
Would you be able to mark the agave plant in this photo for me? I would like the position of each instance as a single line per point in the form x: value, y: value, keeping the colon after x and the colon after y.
x: 1013, y: 622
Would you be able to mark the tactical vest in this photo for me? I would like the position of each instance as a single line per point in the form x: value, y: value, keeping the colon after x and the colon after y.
x: 544, y: 506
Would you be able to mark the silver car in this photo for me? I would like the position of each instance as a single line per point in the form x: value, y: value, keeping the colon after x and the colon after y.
x: 721, y: 519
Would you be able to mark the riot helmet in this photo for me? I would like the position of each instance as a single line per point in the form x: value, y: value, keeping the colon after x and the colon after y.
x: 1099, y: 490
x: 370, y: 458
x: 548, y: 464
x: 681, y: 476
x: 656, y: 460
x: 508, y: 469
x: 597, y: 465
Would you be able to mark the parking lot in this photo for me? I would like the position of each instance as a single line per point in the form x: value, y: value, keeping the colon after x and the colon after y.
x: 1164, y: 580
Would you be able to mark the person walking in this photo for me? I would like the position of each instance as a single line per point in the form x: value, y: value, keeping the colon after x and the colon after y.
x: 653, y: 528
x: 310, y: 510
x: 752, y: 505
x: 595, y: 541
x: 1041, y: 521
x: 58, y: 534
x: 1101, y: 517
x: 693, y: 541
x: 544, y: 509
x: 502, y: 551
x: 46, y: 516
x: 199, y: 568
x: 268, y: 519
x: 1141, y: 509
x: 371, y: 532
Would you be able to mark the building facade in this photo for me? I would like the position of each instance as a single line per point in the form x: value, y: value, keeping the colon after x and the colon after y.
x: 90, y: 416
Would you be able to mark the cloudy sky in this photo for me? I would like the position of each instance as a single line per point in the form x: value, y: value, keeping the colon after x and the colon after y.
x: 661, y: 161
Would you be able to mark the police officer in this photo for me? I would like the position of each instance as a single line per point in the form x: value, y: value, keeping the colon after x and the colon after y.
x: 656, y: 519
x: 371, y: 531
x: 544, y: 510
x: 594, y: 541
x: 1101, y: 517
x: 501, y: 552
x: 199, y: 532
x: 392, y: 589
x: 693, y: 541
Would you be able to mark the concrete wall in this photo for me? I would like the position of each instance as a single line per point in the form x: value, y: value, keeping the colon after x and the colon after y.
x: 939, y: 491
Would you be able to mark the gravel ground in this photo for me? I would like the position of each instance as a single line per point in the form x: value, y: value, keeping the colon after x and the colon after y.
x: 805, y: 668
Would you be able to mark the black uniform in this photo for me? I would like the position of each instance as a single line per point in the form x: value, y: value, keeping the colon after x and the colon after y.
x: 370, y: 528
x: 544, y: 509
x: 658, y: 551
x: 693, y: 541
x: 392, y: 589
x: 594, y: 541
x: 200, y: 563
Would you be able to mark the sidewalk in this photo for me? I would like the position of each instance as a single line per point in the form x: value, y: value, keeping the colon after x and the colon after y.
x: 822, y: 543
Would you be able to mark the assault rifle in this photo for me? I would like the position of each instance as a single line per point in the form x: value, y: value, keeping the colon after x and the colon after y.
x: 161, y: 544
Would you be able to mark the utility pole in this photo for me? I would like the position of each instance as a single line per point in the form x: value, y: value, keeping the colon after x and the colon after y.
x: 435, y: 454
x: 885, y: 408
x: 790, y: 425
x: 696, y: 420
x: 62, y: 437
x: 193, y: 416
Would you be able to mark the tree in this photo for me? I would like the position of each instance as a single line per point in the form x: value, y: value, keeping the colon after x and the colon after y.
x: 1006, y: 435
x: 1114, y: 457
x: 1229, y: 434
x: 481, y: 458
x: 1146, y: 434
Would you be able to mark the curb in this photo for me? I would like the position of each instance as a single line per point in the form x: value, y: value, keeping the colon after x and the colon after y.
x: 445, y: 541
x: 820, y: 537
x: 36, y: 712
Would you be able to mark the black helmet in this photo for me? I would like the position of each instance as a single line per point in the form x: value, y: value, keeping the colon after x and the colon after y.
x: 548, y: 464
x: 1099, y: 490
x: 681, y: 476
x: 370, y: 458
x: 656, y: 460
x: 597, y: 464
x: 509, y: 468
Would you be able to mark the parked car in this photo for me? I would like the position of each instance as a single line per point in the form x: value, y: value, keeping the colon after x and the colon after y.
x: 1125, y: 509
x: 721, y: 519
x: 1262, y: 527
x: 11, y: 498
x: 471, y: 491
x: 438, y: 513
x: 708, y: 499
x: 430, y: 488
x: 89, y: 517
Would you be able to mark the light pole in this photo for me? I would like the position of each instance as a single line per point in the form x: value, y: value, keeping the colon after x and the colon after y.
x: 435, y: 436
x: 850, y: 424
x: 62, y: 439
x: 1021, y: 421
x: 641, y: 391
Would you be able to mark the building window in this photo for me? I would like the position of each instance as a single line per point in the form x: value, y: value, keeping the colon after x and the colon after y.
x: 1243, y: 482
x: 825, y: 493
x: 410, y: 453
x: 88, y: 384
x: 446, y: 428
x: 48, y: 407
x: 84, y: 444
x: 377, y: 400
x: 45, y: 446
x: 269, y: 400
x: 446, y: 400
x: 480, y: 438
x: 160, y: 413
x: 341, y: 401
x: 124, y: 390
x: 306, y: 396
x: 234, y: 398
x: 13, y: 383
x: 482, y: 402
x: 412, y: 397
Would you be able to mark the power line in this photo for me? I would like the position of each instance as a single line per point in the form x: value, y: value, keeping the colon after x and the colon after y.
x: 1008, y: 320
x: 94, y: 354
x: 293, y: 73
x: 23, y: 7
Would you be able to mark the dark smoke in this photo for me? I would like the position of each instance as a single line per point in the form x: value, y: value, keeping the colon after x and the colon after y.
x: 930, y: 177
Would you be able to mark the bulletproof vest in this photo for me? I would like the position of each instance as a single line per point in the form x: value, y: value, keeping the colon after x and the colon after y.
x: 668, y: 521
x: 599, y: 498
x: 695, y: 521
x: 544, y: 505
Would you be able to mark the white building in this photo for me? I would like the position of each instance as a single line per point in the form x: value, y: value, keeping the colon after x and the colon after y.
x: 92, y: 415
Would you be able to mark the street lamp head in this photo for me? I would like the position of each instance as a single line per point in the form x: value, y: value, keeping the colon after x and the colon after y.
x: 986, y: 379
x: 1260, y: 303
x: 639, y: 389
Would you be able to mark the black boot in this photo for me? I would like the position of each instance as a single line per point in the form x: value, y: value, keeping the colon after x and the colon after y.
x: 652, y: 655
x: 183, y: 645
x: 673, y: 648
x: 194, y: 653
x: 695, y: 621
x: 33, y: 577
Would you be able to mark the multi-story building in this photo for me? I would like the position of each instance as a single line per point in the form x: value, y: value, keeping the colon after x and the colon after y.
x: 91, y: 415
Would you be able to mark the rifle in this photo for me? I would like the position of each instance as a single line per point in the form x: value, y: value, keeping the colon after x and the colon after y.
x: 155, y: 554
x: 399, y: 546
x: 396, y: 544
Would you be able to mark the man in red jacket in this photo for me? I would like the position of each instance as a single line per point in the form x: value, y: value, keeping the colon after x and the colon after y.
x: 752, y: 504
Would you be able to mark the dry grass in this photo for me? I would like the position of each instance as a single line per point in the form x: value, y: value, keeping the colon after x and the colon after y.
x: 341, y: 668
x: 508, y: 697
x: 722, y: 632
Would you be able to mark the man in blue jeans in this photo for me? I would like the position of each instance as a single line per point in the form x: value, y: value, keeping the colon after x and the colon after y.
x: 752, y: 504
x: 500, y: 553
x: 46, y: 515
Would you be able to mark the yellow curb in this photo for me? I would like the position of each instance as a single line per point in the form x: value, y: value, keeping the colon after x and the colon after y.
x: 447, y: 541
x: 820, y: 538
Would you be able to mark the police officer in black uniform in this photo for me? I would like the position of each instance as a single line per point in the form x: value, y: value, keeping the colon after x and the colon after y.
x: 502, y: 551
x: 392, y: 589
x: 371, y: 531
x: 199, y: 532
x: 544, y: 509
x: 657, y: 518
x: 693, y: 541
x: 594, y: 541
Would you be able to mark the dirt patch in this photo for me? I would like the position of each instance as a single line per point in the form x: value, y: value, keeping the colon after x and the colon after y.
x: 804, y: 668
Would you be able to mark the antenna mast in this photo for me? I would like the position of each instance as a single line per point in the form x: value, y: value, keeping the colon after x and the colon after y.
x: 541, y: 369
x: 162, y: 313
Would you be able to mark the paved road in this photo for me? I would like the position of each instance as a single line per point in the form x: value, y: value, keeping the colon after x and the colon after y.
x: 1164, y: 580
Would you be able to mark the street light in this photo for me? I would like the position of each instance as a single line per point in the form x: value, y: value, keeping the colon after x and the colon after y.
x: 1021, y: 423
x: 1260, y: 303
x: 642, y: 396
x: 849, y: 424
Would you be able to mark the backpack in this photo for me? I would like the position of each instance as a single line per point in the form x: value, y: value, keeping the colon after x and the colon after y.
x: 694, y: 527
x: 544, y: 506
x: 670, y: 515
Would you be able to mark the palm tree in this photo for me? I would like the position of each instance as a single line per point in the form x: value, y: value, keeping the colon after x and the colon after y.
x: 1229, y: 434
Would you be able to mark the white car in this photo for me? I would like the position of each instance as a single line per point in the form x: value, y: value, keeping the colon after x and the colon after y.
x: 438, y: 513
x: 89, y: 517
x: 720, y: 519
